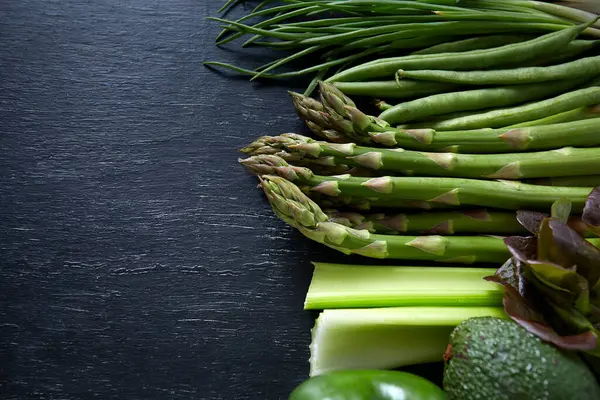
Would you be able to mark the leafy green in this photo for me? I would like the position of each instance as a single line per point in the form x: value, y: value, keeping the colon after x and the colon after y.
x: 552, y: 281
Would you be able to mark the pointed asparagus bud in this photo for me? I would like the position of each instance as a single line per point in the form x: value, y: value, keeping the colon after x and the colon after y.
x: 444, y: 160
x: 442, y: 228
x: 367, y: 226
x: 517, y: 138
x: 424, y: 136
x: 358, y: 118
x: 377, y: 249
x: 346, y: 149
x: 350, y: 218
x: 334, y: 233
x: 430, y: 244
x: 329, y: 188
x: 275, y: 165
x: 483, y: 215
x: 384, y: 138
x: 312, y: 149
x: 382, y: 184
x: 372, y: 160
x: 450, y: 198
x: 398, y: 222
x: 509, y: 171
x: 335, y: 95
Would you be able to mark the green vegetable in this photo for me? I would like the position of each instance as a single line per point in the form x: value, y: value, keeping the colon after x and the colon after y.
x: 433, y: 222
x: 474, y: 99
x: 448, y: 191
x: 577, y: 181
x: 403, y: 89
x: 292, y: 206
x: 515, y: 115
x: 490, y: 358
x: 339, y: 113
x: 294, y: 148
x: 470, y: 60
x: 374, y: 338
x: 568, y: 116
x: 588, y: 67
x: 552, y: 280
x: 367, y: 385
x: 364, y: 286
x: 476, y: 43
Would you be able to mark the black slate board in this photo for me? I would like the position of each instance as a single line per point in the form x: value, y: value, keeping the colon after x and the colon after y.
x: 137, y: 259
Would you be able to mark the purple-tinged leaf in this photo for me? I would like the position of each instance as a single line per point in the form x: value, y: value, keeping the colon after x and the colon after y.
x: 531, y: 220
x: 510, y: 273
x: 523, y: 313
x: 561, y: 210
x: 591, y: 211
x: 522, y: 248
x: 568, y: 249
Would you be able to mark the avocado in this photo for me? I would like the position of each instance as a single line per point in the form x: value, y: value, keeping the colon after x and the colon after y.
x: 494, y: 359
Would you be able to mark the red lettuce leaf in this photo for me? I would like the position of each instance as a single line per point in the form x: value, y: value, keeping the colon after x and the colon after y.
x: 522, y: 248
x: 567, y: 248
x: 520, y: 310
x: 531, y: 220
x: 591, y: 211
x: 561, y: 209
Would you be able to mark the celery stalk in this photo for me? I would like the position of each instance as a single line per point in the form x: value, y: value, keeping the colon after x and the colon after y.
x: 357, y: 286
x: 382, y: 338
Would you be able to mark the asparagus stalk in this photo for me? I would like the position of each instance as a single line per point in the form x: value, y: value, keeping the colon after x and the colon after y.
x: 363, y: 286
x: 345, y: 118
x: 441, y: 222
x: 574, y: 181
x: 296, y: 209
x: 572, y: 161
x: 448, y: 191
x: 313, y: 113
x: 427, y: 223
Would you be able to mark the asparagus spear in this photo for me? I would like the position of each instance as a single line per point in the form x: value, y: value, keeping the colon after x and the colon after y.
x: 438, y: 223
x: 313, y: 113
x: 348, y: 120
x: 478, y: 221
x: 295, y: 208
x: 447, y: 191
x: 572, y: 161
x: 576, y: 181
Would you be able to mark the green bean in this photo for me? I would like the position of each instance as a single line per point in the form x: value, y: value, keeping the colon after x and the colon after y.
x: 499, y: 16
x: 475, y: 59
x: 476, y: 43
x: 391, y: 89
x: 568, y: 116
x: 572, y: 50
x: 479, y: 99
x: 514, y: 115
x: 582, y: 68
x: 451, y: 28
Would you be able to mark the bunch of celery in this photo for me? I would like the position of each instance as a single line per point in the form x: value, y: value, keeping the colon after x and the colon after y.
x: 387, y: 317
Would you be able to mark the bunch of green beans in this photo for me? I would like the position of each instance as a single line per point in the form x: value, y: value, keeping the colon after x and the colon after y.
x: 323, y: 37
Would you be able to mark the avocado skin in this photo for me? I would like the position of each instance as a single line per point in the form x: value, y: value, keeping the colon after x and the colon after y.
x: 497, y: 359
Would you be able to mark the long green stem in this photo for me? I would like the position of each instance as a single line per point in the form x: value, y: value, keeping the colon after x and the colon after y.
x: 573, y: 161
x: 472, y: 221
x: 364, y: 286
x: 503, y: 194
x: 344, y: 117
x: 291, y: 205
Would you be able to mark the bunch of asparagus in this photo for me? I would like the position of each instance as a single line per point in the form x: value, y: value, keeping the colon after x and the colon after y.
x: 443, y: 186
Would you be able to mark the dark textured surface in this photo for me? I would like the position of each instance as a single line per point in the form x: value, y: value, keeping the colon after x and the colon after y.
x: 138, y: 260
